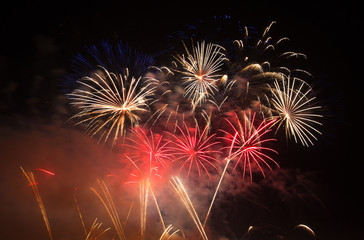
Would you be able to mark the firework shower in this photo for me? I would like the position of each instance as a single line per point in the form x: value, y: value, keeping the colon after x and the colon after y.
x: 212, y: 137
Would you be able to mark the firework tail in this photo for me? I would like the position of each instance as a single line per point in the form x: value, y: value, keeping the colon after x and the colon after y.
x: 166, y: 235
x: 144, y: 193
x: 181, y: 191
x: 228, y: 159
x: 79, y: 212
x: 127, y: 217
x: 33, y: 184
x: 144, y: 188
x: 109, y: 205
x: 93, y: 231
x: 158, y: 209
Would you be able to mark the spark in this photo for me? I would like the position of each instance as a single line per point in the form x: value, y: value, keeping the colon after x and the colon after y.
x: 46, y: 171
x: 201, y: 70
x: 294, y: 105
x: 95, y: 231
x: 193, y: 148
x: 107, y: 101
x: 166, y: 233
x: 307, y: 228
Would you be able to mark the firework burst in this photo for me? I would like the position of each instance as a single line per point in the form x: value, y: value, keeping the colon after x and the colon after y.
x: 292, y: 100
x: 150, y: 147
x: 248, y: 144
x: 193, y: 148
x: 200, y: 70
x: 107, y: 101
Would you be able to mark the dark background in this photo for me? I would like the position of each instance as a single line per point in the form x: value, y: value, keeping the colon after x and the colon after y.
x: 38, y: 40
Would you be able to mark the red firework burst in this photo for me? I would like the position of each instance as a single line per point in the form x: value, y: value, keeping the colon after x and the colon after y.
x: 193, y: 148
x: 148, y: 153
x: 247, y: 144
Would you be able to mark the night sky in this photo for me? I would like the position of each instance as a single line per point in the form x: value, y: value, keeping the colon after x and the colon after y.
x: 39, y: 39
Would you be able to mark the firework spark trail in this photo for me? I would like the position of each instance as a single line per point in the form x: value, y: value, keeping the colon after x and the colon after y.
x: 33, y: 184
x: 94, y: 232
x: 109, y: 100
x: 79, y: 212
x: 182, y: 193
x: 157, y: 206
x: 291, y: 99
x: 109, y: 205
x: 46, y: 171
x: 144, y: 188
x: 144, y: 193
x: 201, y: 70
x: 166, y: 233
x: 228, y: 159
x: 191, y: 147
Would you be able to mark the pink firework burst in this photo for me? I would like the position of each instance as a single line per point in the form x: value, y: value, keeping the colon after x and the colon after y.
x: 194, y: 149
x: 247, y: 144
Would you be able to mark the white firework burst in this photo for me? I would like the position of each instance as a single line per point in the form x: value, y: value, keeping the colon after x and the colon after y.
x: 107, y: 100
x: 294, y: 104
x: 201, y: 70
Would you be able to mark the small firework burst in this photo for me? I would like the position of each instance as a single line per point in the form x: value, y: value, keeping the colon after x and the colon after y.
x: 107, y: 101
x: 292, y: 100
x: 200, y: 70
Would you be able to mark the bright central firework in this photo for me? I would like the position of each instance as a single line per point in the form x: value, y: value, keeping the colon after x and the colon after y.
x: 194, y: 148
x: 201, y: 70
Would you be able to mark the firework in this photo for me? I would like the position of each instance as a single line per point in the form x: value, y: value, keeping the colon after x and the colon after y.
x: 193, y: 148
x: 33, y: 184
x: 116, y: 56
x: 248, y: 147
x: 166, y: 234
x: 95, y: 231
x: 182, y: 193
x: 144, y: 179
x: 207, y: 84
x: 109, y: 205
x: 228, y: 159
x: 107, y: 101
x: 292, y: 100
x: 79, y: 212
x: 200, y: 70
x: 151, y: 154
x: 150, y: 148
